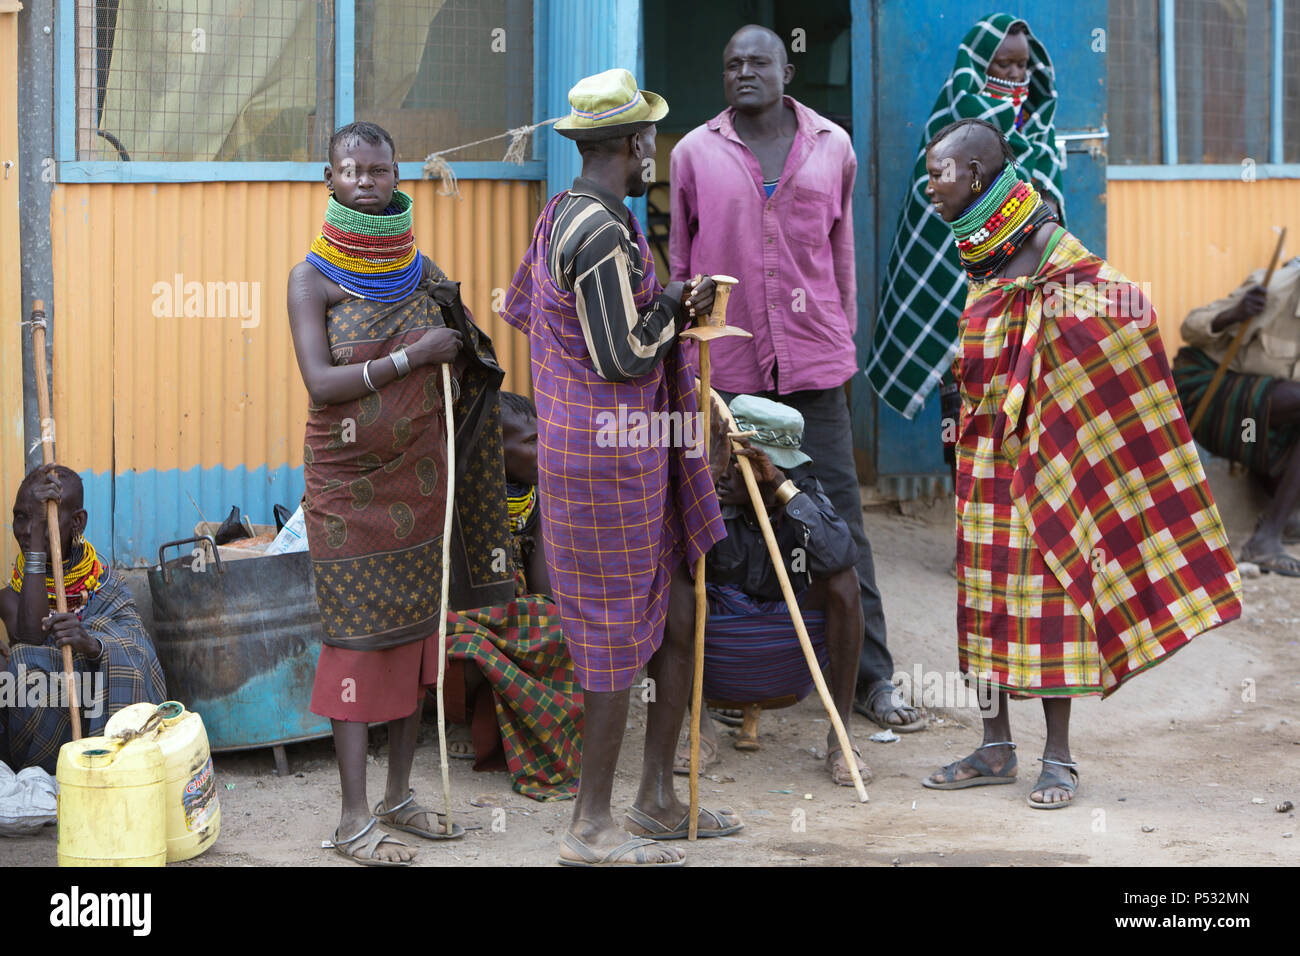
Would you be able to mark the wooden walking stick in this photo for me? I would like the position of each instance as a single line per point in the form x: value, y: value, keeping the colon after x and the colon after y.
x: 1203, y: 405
x: 442, y: 606
x: 765, y: 525
x: 712, y: 326
x: 52, y: 507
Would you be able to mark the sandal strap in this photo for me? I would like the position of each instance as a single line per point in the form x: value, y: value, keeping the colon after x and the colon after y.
x: 882, y: 687
x: 357, y: 836
x: 978, y: 764
x: 1000, y: 743
x: 1058, y: 763
x: 410, y: 795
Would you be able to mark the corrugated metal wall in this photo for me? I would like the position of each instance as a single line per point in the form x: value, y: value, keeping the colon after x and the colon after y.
x: 11, y: 306
x: 155, y: 408
x: 1194, y: 241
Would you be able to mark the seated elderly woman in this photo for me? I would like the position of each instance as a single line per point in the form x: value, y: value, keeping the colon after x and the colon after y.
x: 113, y: 658
x: 752, y: 657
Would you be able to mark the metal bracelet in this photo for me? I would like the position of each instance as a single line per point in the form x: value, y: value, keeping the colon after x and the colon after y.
x: 365, y: 374
x: 35, y: 562
x: 786, y: 491
x: 401, y: 362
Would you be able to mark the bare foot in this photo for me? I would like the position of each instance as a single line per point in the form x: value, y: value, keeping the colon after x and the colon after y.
x: 1056, y: 784
x: 839, y: 767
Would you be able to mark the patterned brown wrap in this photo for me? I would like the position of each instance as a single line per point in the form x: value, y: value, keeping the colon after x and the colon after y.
x: 375, y: 471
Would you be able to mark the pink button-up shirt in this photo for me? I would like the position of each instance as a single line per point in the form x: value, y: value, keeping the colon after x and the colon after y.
x: 793, y: 253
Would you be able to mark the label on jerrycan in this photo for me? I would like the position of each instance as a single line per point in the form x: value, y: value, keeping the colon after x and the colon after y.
x: 200, y: 798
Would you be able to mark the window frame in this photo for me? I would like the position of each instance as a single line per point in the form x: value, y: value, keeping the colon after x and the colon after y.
x: 69, y: 169
x: 1171, y: 168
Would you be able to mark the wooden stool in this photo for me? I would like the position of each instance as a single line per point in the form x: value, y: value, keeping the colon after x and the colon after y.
x: 747, y: 736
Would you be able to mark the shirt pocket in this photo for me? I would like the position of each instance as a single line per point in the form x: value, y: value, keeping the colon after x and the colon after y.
x: 810, y: 215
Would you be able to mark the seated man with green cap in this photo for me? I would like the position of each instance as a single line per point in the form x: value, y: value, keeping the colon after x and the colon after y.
x: 751, y: 652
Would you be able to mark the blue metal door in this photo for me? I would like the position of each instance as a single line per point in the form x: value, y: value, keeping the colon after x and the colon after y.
x: 907, y: 50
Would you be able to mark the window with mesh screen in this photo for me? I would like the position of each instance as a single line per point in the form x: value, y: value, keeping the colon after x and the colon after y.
x: 203, y: 80
x: 443, y: 73
x: 1133, y: 82
x: 1223, y: 55
x: 1291, y: 81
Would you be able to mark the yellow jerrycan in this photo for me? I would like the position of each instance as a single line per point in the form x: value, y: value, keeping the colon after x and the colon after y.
x: 193, y: 810
x: 111, y: 803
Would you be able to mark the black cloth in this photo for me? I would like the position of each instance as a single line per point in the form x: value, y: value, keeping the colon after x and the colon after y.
x: 813, y: 540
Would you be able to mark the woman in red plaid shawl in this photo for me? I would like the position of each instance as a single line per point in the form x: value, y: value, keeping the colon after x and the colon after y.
x: 1089, y: 547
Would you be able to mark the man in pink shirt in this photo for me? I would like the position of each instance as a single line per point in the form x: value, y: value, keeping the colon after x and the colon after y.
x: 764, y: 192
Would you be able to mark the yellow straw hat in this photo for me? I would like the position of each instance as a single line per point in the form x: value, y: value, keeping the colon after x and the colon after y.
x: 609, y: 104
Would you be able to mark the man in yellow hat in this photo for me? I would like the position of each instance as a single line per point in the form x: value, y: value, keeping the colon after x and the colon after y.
x: 622, y: 507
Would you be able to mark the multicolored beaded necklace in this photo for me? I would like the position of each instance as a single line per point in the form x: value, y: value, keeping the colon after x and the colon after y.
x: 83, y: 573
x: 1006, y: 89
x: 371, y: 257
x: 522, y: 503
x: 1017, y: 93
x: 990, y: 232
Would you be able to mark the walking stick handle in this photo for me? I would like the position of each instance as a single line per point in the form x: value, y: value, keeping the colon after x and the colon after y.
x: 52, y: 507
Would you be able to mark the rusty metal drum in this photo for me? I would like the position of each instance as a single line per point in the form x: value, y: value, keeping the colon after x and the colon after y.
x: 238, y: 641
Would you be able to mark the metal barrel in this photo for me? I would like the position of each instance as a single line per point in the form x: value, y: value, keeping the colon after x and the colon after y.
x: 238, y: 641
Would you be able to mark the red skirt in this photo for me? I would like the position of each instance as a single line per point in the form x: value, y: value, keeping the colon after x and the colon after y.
x: 378, y: 686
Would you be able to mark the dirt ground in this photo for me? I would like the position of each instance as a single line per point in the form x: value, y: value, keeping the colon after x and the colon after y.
x: 1183, y: 766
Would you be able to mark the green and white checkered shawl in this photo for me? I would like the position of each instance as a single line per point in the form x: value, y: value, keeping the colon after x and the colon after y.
x: 924, y: 290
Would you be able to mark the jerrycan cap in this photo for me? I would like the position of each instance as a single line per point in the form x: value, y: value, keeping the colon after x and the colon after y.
x: 99, y: 756
x: 170, y: 710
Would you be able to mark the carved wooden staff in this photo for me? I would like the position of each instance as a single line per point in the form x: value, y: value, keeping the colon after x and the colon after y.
x: 710, y: 327
x: 1203, y: 405
x: 52, y: 507
x: 765, y: 525
x: 442, y: 606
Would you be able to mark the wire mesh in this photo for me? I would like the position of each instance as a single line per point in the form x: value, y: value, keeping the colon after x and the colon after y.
x: 203, y: 80
x: 1291, y: 81
x: 1133, y: 82
x: 1222, y: 54
x: 442, y: 73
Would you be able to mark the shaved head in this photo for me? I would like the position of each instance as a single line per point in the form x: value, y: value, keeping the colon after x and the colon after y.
x: 961, y: 161
x: 758, y: 36
x: 972, y: 139
x: 755, y: 72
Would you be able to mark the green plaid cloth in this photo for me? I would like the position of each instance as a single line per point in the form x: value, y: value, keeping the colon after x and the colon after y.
x: 924, y: 290
x: 520, y: 650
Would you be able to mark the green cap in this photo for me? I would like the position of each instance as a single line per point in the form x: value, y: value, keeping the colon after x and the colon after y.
x: 779, y: 428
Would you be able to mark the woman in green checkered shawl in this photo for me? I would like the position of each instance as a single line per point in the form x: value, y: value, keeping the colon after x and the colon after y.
x: 1003, y: 75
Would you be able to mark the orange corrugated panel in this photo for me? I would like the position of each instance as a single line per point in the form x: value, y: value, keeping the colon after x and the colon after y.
x: 83, y: 258
x: 174, y: 348
x: 1190, y: 242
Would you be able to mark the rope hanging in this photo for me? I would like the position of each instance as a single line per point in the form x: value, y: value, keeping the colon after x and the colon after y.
x: 436, y: 167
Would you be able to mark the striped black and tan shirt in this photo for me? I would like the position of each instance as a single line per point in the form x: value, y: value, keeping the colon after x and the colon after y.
x: 592, y: 254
